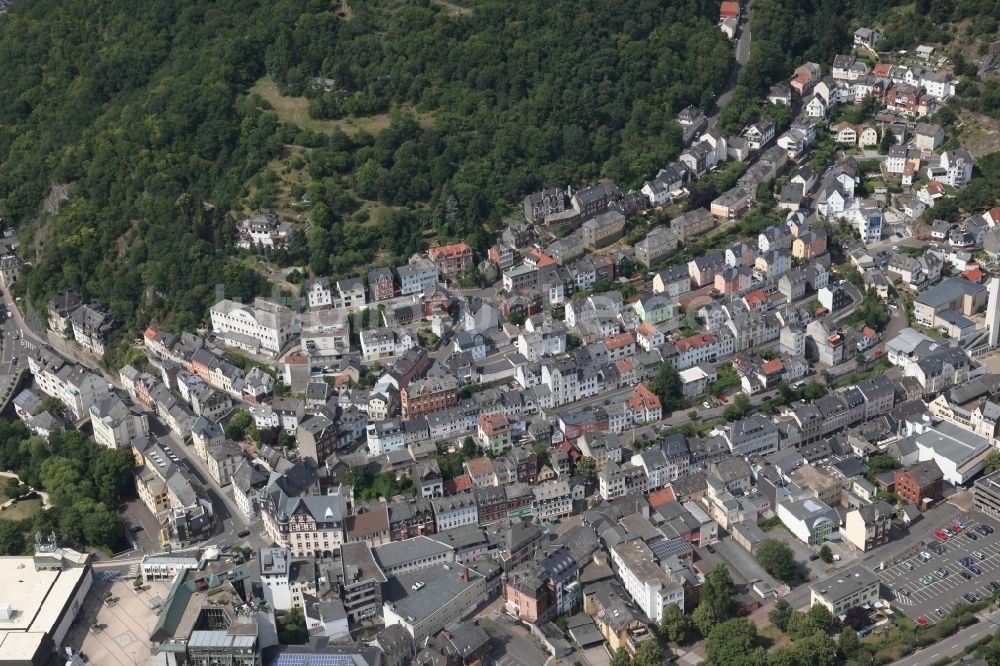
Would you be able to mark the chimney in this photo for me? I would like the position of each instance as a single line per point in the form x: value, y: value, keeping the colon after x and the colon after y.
x: 465, y: 574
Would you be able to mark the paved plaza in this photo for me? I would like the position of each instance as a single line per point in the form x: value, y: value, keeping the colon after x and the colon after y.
x: 125, y: 625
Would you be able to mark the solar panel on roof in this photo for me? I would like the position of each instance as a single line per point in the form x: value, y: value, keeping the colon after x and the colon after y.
x: 312, y: 660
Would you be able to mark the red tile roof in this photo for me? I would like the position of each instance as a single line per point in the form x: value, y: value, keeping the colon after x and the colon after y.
x: 973, y: 275
x: 755, y: 297
x: 479, y: 466
x: 643, y: 399
x: 646, y: 330
x: 453, y: 251
x: 543, y: 259
x: 774, y: 365
x: 661, y: 497
x: 729, y: 10
x: 620, y: 340
x: 625, y: 365
x: 493, y: 425
x: 458, y: 485
x: 695, y: 341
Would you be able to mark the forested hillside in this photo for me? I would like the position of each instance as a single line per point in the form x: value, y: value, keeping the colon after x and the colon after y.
x: 142, y: 110
x: 148, y: 115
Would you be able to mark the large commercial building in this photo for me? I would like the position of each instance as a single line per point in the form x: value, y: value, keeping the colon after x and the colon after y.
x: 424, y: 601
x: 40, y: 597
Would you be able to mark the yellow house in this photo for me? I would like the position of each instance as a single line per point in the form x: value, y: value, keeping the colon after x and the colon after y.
x: 615, y: 616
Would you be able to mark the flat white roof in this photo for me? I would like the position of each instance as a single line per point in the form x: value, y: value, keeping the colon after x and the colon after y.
x: 36, y: 600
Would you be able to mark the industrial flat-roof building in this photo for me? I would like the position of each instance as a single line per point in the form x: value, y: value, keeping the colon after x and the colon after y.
x: 854, y: 586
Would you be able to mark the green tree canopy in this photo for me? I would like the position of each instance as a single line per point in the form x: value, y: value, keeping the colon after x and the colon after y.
x: 735, y: 643
x: 780, y: 614
x: 778, y: 560
x: 675, y: 625
x: 586, y: 467
x: 668, y: 388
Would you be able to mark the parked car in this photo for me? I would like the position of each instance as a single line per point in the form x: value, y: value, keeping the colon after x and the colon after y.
x: 974, y: 568
x: 922, y: 621
x: 956, y: 528
x: 908, y: 565
x: 941, y: 535
x: 941, y: 573
x: 979, y: 554
x: 939, y: 612
x: 814, y: 557
x: 972, y: 536
x: 965, y: 574
x: 968, y: 597
x: 243, y: 534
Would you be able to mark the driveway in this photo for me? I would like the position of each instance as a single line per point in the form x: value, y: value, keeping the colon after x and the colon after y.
x: 742, y: 54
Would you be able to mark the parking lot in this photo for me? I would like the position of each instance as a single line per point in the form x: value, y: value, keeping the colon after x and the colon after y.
x: 920, y: 592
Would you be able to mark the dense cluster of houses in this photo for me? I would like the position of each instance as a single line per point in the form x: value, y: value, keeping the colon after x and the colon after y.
x: 556, y: 371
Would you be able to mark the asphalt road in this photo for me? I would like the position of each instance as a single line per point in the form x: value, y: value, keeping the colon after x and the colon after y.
x: 12, y: 355
x: 741, y: 56
x: 951, y: 646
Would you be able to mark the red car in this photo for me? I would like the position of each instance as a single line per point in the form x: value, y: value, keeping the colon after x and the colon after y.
x: 921, y: 238
x: 723, y: 399
x: 922, y: 621
x: 956, y: 529
x: 940, y: 535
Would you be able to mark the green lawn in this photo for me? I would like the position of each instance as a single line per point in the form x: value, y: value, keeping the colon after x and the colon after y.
x: 21, y: 510
x: 295, y: 111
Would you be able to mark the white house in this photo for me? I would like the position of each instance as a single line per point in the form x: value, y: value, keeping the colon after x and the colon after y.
x: 810, y: 519
x: 644, y: 579
x: 265, y: 327
x: 318, y: 293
